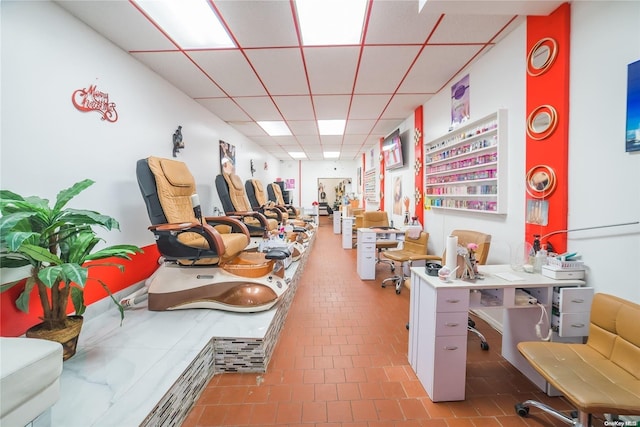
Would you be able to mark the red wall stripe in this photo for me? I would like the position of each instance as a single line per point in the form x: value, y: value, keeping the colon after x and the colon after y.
x: 14, y: 322
x: 551, y: 88
x: 418, y: 169
x: 382, y: 176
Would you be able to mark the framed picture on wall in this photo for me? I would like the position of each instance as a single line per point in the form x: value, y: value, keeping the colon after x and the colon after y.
x: 227, y: 158
x: 633, y: 107
x: 397, y: 195
x: 460, y: 102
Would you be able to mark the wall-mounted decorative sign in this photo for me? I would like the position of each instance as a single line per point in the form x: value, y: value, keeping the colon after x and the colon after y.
x: 91, y: 99
x: 178, y: 144
x: 542, y: 122
x: 460, y: 102
x: 541, y: 56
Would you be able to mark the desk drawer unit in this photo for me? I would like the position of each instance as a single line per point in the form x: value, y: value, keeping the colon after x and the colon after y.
x: 366, y: 255
x: 442, y: 341
x: 570, y: 311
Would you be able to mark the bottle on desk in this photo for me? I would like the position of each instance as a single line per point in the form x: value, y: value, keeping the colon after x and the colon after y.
x: 539, y: 260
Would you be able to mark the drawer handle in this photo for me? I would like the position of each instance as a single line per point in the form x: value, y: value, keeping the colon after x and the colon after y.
x: 451, y: 347
x: 577, y: 300
x: 453, y: 301
x: 578, y: 325
x: 451, y: 324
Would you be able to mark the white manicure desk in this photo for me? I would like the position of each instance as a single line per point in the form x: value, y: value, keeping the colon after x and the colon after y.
x: 366, y: 247
x: 438, y: 317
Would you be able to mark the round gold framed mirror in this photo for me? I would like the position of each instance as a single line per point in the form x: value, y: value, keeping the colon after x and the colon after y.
x: 541, y: 181
x: 542, y: 122
x: 541, y: 56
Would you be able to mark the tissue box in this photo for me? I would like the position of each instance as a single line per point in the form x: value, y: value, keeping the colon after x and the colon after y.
x: 555, y: 272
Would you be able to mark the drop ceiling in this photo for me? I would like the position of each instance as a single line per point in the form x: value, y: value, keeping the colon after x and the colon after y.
x: 405, y: 57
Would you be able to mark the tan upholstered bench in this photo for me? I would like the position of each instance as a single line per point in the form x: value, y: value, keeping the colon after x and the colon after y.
x: 601, y: 376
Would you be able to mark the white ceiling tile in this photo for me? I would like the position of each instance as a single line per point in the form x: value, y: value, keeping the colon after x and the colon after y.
x: 259, y: 108
x: 303, y: 127
x: 230, y: 70
x: 335, y: 140
x: 331, y: 107
x: 435, y: 66
x: 383, y: 67
x: 225, y: 109
x: 368, y: 106
x: 295, y: 107
x: 398, y: 22
x: 259, y: 23
x: 251, y: 129
x: 353, y: 140
x: 403, y: 106
x: 359, y: 127
x: 281, y: 70
x: 324, y: 76
x: 468, y: 29
x: 175, y: 67
x: 125, y: 26
x: 270, y: 77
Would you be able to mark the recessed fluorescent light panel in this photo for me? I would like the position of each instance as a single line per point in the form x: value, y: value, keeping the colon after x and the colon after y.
x: 275, y: 128
x: 297, y: 155
x: 331, y: 154
x: 331, y: 127
x: 331, y: 22
x: 190, y: 23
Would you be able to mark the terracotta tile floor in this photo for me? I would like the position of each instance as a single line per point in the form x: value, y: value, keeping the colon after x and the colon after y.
x: 341, y: 361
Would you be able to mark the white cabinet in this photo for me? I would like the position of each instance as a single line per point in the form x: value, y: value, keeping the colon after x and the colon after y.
x: 347, y: 232
x: 438, y: 339
x: 571, y: 311
x: 366, y: 256
x: 336, y: 221
x: 466, y: 169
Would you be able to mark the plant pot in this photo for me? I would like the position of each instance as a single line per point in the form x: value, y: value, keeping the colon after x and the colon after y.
x: 67, y: 336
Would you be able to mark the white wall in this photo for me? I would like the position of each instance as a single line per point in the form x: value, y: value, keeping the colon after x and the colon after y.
x: 306, y: 174
x: 48, y: 145
x: 604, y: 180
x: 491, y: 88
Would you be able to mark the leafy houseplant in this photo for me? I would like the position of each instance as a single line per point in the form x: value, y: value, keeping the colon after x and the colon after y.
x: 57, y: 243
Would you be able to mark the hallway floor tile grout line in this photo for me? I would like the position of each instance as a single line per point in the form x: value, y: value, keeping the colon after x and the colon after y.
x: 341, y: 361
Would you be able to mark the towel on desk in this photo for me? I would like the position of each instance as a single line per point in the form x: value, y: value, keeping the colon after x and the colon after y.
x: 413, y: 232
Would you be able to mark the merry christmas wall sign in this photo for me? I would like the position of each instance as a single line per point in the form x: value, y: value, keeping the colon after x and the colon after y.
x: 91, y: 99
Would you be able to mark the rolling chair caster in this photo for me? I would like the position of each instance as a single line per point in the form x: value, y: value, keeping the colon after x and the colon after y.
x: 522, y: 409
x: 471, y: 327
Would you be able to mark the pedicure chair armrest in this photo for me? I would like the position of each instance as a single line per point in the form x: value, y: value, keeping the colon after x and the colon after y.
x: 257, y: 215
x: 169, y: 245
x: 237, y: 226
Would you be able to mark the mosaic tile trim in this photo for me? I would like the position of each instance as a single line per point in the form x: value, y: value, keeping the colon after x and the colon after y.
x: 222, y: 355
x: 253, y: 355
x: 175, y: 405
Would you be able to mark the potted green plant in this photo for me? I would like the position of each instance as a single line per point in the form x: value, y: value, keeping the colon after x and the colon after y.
x: 58, y: 244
